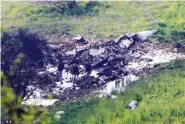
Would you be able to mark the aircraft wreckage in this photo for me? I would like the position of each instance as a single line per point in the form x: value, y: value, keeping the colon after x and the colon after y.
x: 111, y: 60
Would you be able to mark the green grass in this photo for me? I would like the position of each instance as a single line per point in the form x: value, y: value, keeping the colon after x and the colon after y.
x: 161, y: 101
x: 102, y: 20
x: 162, y: 95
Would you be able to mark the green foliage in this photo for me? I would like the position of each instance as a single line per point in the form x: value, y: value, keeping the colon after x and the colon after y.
x: 100, y: 20
x: 161, y: 100
x: 172, y: 22
x: 11, y: 106
x: 12, y: 109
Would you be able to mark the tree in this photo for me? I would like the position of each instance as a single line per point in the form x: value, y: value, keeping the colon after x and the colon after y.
x: 13, y: 112
x: 23, y: 55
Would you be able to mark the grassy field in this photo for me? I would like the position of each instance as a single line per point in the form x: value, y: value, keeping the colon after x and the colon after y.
x: 161, y: 96
x: 101, y: 20
x: 161, y: 101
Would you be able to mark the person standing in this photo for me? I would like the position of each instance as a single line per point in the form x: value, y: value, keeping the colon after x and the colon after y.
x: 60, y: 69
x: 75, y: 72
x: 88, y: 70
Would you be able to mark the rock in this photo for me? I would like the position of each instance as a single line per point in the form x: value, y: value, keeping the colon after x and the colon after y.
x: 133, y: 104
x: 59, y: 113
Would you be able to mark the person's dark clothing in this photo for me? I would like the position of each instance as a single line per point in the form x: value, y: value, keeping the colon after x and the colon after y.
x: 60, y: 66
x: 74, y: 69
x: 88, y: 67
x: 60, y: 69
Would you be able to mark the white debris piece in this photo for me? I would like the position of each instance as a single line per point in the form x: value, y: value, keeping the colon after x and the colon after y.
x: 128, y: 79
x: 56, y: 91
x: 66, y: 76
x: 67, y: 85
x: 113, y: 96
x: 95, y: 52
x: 53, y: 46
x: 146, y: 34
x: 52, y: 69
x: 78, y: 37
x: 126, y: 43
x: 77, y: 88
x: 133, y: 104
x: 109, y: 87
x: 40, y: 102
x: 40, y: 72
x: 71, y: 52
x: 157, y: 56
x: 117, y: 85
x: 94, y: 73
x: 58, y: 84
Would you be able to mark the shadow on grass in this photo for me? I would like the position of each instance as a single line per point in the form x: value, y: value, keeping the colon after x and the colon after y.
x: 88, y: 9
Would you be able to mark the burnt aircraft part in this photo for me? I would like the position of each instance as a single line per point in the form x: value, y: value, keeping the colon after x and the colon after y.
x: 108, y: 55
x: 80, y: 40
